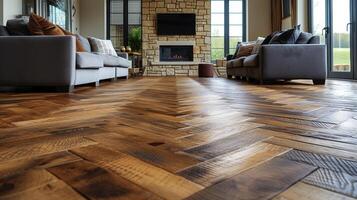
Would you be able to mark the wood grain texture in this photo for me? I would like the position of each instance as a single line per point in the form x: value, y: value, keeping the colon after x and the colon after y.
x: 217, y: 169
x: 97, y: 183
x: 154, y: 179
x: 177, y: 138
x: 303, y: 191
x: 335, y: 181
x: 262, y: 182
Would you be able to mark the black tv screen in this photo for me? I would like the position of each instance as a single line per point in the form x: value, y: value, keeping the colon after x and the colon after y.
x: 176, y: 24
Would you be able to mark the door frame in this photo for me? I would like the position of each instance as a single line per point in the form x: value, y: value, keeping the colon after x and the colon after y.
x: 329, y: 39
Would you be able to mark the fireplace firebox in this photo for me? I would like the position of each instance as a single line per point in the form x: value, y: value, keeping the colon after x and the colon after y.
x: 176, y: 53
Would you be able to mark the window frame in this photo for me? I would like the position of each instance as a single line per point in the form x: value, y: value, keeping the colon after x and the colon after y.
x: 126, y: 24
x: 226, y: 24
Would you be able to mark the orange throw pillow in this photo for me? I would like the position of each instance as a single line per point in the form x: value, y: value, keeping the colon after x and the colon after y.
x: 41, y: 26
x: 79, y: 45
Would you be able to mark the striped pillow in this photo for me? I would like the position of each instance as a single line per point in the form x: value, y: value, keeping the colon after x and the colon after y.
x: 102, y: 46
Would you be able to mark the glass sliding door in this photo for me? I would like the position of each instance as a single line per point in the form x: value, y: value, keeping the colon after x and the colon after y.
x: 341, y: 37
x: 318, y: 19
x: 334, y: 21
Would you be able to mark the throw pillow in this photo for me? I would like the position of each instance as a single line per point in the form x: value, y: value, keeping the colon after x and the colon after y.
x: 237, y: 49
x: 85, y: 43
x: 41, y: 26
x: 3, y: 31
x: 304, y: 38
x: 17, y: 27
x: 287, y: 37
x: 269, y: 38
x: 102, y: 46
x: 258, y: 45
x: 79, y: 45
x: 314, y: 40
x: 245, y: 50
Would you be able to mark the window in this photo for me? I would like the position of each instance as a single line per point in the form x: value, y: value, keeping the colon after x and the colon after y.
x: 124, y: 20
x: 227, y: 26
x: 56, y: 11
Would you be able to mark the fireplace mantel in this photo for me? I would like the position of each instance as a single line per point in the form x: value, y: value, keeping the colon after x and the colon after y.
x: 176, y: 43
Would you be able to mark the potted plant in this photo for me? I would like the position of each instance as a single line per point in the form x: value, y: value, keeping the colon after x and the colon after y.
x: 135, y: 39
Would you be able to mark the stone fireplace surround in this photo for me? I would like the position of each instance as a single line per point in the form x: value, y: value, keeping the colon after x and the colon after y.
x: 201, y: 42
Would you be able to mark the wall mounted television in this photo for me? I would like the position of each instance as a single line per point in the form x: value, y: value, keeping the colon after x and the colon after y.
x: 176, y: 24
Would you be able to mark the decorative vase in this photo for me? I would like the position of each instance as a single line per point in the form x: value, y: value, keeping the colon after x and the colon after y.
x: 128, y: 49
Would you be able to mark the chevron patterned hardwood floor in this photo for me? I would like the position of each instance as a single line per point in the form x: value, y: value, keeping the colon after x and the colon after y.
x: 181, y: 138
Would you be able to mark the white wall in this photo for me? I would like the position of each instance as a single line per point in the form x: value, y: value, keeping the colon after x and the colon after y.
x: 302, y: 14
x: 11, y: 8
x: 259, y: 18
x: 1, y: 12
x: 76, y: 17
x: 93, y: 20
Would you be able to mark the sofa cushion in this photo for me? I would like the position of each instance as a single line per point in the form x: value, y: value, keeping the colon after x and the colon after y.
x: 251, y: 61
x: 85, y: 60
x: 17, y: 27
x: 102, y: 46
x: 85, y: 43
x: 3, y: 31
x: 114, y: 61
x: 236, y: 62
x: 304, y: 38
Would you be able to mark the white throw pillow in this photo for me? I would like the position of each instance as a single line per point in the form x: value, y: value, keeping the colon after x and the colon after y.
x: 102, y: 46
x: 258, y: 45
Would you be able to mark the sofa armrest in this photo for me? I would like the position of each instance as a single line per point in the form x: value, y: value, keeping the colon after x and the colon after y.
x: 37, y: 61
x: 123, y: 55
x: 295, y: 61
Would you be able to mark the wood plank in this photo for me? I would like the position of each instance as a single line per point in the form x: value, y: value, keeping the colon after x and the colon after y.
x: 302, y: 191
x: 154, y: 179
x: 310, y: 140
x: 25, y: 181
x: 324, y: 161
x: 41, y: 146
x: 12, y: 167
x: 313, y: 148
x: 57, y: 190
x: 339, y: 182
x: 262, y: 182
x: 162, y: 158
x: 217, y: 169
x: 95, y: 182
x: 226, y: 145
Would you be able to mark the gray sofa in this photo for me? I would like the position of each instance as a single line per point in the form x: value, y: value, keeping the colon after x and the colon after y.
x: 52, y: 61
x: 283, y: 62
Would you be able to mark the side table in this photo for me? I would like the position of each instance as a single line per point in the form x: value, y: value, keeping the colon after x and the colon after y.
x: 206, y: 70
